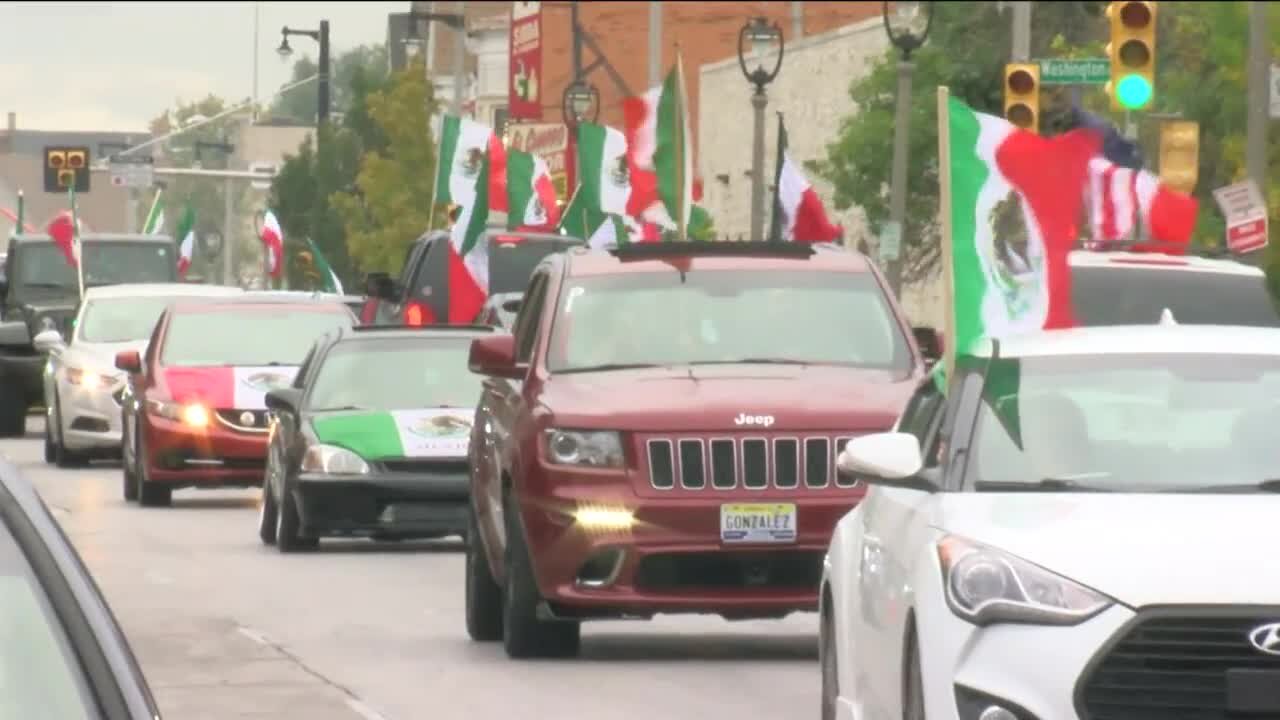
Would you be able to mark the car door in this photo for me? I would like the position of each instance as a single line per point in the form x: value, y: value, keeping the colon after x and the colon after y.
x: 429, y: 284
x: 391, y: 312
x: 501, y: 406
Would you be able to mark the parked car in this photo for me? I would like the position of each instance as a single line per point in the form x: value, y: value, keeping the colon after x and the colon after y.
x: 63, y: 655
x: 82, y: 387
x: 194, y: 413
x: 659, y: 434
x: 371, y: 438
x: 1092, y: 498
x: 500, y: 310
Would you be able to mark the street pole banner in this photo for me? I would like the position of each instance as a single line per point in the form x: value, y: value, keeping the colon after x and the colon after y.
x: 524, y: 84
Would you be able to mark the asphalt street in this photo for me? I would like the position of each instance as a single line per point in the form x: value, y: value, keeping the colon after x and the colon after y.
x: 226, y: 627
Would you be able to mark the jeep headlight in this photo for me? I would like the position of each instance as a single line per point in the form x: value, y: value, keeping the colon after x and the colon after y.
x: 584, y: 447
x: 333, y: 460
x: 987, y: 586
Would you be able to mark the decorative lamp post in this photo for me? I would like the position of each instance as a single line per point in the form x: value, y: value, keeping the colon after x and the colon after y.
x: 581, y: 102
x: 907, y: 26
x: 759, y: 42
x: 322, y: 81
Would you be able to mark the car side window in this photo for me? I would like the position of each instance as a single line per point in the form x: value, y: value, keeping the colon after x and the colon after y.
x: 955, y: 424
x: 526, y: 329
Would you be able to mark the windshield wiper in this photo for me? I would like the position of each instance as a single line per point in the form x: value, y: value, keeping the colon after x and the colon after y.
x: 1271, y: 485
x: 752, y: 361
x: 608, y: 366
x: 1050, y: 484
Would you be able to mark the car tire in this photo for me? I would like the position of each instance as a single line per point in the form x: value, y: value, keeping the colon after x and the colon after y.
x: 524, y: 635
x: 150, y: 494
x: 127, y: 472
x: 288, y: 530
x: 63, y: 456
x: 828, y: 661
x: 483, y: 595
x: 267, y: 512
x: 13, y: 413
x: 50, y: 453
x: 913, y: 687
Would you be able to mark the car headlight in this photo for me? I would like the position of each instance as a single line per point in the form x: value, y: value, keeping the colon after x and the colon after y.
x: 584, y: 447
x: 333, y: 460
x: 87, y: 379
x: 986, y: 586
x: 193, y: 414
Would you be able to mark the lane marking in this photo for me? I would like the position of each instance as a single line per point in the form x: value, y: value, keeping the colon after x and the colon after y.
x: 363, y: 710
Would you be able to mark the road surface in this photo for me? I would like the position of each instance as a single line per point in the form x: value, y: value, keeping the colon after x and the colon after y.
x: 226, y: 627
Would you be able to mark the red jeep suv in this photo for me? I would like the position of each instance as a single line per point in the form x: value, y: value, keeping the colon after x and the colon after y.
x: 659, y: 432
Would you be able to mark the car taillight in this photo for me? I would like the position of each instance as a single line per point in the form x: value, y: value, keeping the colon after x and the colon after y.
x: 415, y: 314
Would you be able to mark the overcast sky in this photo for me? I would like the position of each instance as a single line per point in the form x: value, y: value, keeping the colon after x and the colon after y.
x: 118, y: 65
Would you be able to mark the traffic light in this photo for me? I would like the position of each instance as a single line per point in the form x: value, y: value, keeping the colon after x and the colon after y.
x: 66, y: 167
x: 1180, y: 155
x: 1132, y: 51
x: 1022, y: 95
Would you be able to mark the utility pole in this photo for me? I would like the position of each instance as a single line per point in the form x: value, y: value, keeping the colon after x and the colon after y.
x: 655, y: 42
x: 1259, y: 95
x: 459, y: 59
x: 322, y: 91
x: 1021, y: 31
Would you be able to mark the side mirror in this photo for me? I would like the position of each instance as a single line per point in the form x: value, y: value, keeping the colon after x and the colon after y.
x: 380, y: 285
x: 496, y: 356
x: 48, y: 341
x: 129, y: 361
x: 284, y: 400
x: 891, y: 458
x: 930, y: 342
x: 512, y: 306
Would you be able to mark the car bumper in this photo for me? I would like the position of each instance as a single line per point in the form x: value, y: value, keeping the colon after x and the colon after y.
x: 212, y: 456
x: 91, y: 418
x: 672, y: 559
x: 387, y: 505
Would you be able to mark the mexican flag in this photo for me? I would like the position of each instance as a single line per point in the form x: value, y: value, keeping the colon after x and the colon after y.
x: 464, y: 144
x: 387, y: 434
x: 650, y: 121
x: 154, y: 224
x: 531, y: 196
x: 1001, y: 183
x: 187, y: 239
x: 605, y: 183
x: 468, y: 257
x: 582, y: 220
x: 272, y: 243
x: 331, y: 282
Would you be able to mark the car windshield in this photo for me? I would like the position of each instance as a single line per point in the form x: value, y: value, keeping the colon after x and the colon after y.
x: 105, y: 263
x: 281, y: 335
x: 1142, y: 422
x: 511, y: 264
x: 39, y: 674
x: 113, y: 320
x: 396, y: 374
x: 725, y: 316
x: 1119, y: 295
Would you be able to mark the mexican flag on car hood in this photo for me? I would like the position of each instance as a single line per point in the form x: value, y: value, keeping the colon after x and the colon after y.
x: 228, y: 388
x: 430, y: 433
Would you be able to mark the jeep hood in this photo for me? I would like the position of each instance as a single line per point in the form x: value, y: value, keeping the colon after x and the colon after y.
x: 708, y: 398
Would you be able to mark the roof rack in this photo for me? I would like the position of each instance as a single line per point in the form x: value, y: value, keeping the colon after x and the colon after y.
x: 423, y: 328
x: 645, y: 250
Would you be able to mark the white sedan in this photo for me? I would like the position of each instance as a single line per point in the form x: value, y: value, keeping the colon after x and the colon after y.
x: 1082, y: 526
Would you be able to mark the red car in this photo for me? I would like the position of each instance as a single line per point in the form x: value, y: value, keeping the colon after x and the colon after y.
x: 194, y: 410
x: 659, y: 432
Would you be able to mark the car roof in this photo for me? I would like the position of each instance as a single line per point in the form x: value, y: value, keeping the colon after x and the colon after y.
x: 657, y: 257
x: 1162, y: 261
x: 161, y: 290
x: 405, y: 332
x: 1163, y: 339
x: 260, y: 305
x: 301, y: 295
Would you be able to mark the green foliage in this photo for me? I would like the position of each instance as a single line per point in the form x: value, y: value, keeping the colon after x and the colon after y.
x: 390, y: 206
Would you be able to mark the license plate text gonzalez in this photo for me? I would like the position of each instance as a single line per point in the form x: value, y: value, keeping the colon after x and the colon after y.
x: 758, y: 523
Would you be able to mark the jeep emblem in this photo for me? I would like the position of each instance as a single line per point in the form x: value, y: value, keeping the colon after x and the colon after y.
x: 761, y: 420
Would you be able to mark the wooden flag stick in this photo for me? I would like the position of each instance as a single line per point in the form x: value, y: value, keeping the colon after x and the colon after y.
x: 944, y: 225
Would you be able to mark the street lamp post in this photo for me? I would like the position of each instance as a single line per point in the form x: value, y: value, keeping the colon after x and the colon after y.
x: 580, y: 103
x: 907, y: 27
x: 322, y: 74
x: 759, y: 39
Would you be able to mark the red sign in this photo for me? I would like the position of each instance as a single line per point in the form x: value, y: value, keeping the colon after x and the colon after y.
x: 1247, y: 236
x: 524, y: 94
x: 1245, y: 211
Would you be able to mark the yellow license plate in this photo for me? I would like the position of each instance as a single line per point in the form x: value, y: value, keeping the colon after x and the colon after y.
x: 758, y: 523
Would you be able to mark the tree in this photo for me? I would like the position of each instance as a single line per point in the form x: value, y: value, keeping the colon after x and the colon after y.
x: 391, y: 204
x: 367, y: 64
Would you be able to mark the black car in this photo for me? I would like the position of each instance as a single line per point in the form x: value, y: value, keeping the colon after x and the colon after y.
x: 371, y: 440
x: 62, y: 653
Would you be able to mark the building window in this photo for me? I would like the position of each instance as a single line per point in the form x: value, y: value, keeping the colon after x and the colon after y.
x: 500, y: 120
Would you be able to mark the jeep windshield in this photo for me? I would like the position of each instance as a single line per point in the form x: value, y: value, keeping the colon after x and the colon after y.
x: 1118, y: 295
x: 245, y: 338
x: 725, y: 316
x: 42, y: 264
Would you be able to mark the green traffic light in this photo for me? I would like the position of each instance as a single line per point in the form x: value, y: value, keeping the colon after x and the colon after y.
x: 1133, y: 91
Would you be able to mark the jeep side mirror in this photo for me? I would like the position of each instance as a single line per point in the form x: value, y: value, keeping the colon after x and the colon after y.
x: 129, y: 361
x: 495, y: 355
x: 930, y: 342
x: 380, y: 285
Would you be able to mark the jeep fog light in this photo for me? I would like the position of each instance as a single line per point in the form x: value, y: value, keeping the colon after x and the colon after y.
x: 604, y: 518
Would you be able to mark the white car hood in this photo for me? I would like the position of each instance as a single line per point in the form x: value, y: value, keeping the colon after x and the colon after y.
x: 1138, y: 549
x: 99, y: 357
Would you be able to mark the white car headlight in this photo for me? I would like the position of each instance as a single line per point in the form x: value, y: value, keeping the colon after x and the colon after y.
x: 584, y: 447
x: 333, y: 460
x: 87, y: 379
x: 986, y: 586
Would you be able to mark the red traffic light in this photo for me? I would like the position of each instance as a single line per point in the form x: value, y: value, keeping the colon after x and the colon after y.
x: 57, y: 160
x: 1135, y: 15
x: 75, y: 160
x: 1021, y: 82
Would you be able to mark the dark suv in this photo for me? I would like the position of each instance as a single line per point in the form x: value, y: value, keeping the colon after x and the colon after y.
x: 421, y: 295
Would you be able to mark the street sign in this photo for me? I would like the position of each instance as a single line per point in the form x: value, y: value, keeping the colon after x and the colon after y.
x: 132, y: 171
x: 1080, y: 71
x: 1246, y: 213
x: 1275, y: 91
x: 525, y: 50
x: 267, y: 170
x: 890, y: 242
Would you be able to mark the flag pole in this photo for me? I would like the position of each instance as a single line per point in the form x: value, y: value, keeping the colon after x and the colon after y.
x: 76, y: 248
x: 680, y: 151
x: 775, y: 225
x: 435, y: 181
x: 151, y: 214
x: 20, y: 221
x: 944, y: 216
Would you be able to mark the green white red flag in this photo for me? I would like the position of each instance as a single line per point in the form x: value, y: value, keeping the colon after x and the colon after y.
x: 154, y: 224
x: 464, y: 145
x: 272, y: 244
x: 187, y: 239
x: 647, y: 127
x: 531, y: 196
x: 468, y: 257
x: 604, y: 176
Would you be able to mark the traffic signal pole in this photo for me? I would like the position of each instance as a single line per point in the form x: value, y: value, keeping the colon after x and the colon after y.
x: 1258, y: 120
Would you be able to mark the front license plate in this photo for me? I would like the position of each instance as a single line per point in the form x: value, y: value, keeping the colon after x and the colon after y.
x: 758, y: 523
